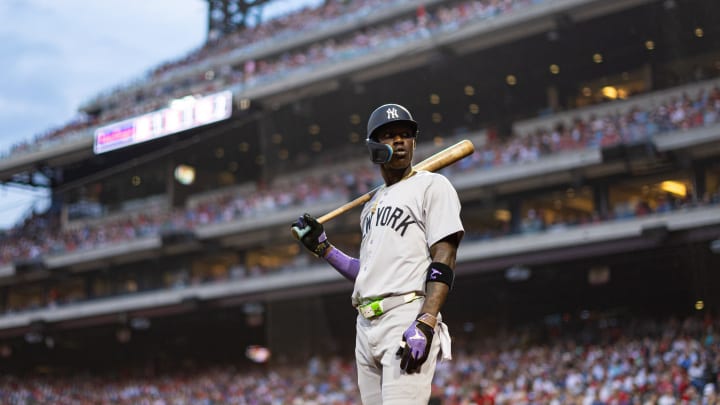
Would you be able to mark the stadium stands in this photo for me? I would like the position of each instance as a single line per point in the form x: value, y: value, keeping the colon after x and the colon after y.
x: 607, y: 361
x: 122, y: 102
x: 678, y: 112
x: 589, y: 204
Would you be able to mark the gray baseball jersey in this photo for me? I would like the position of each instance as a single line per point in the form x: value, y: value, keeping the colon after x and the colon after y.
x: 399, y: 224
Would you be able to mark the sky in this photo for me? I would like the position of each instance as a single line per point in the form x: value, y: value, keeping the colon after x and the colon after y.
x: 57, y: 54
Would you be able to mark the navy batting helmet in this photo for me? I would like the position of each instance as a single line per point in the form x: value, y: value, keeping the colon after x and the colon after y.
x: 383, y: 115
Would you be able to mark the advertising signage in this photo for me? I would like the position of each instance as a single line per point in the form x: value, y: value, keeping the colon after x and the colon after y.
x: 183, y: 114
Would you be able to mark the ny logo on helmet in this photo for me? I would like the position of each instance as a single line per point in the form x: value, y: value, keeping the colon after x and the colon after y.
x: 392, y: 113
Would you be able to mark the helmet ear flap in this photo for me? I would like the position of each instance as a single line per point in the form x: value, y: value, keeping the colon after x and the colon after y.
x: 379, y: 152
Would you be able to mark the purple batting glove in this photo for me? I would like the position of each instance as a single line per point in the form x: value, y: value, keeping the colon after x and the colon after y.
x: 417, y: 340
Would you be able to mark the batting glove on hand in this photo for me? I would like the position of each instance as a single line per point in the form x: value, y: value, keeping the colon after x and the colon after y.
x: 312, y: 234
x: 417, y: 340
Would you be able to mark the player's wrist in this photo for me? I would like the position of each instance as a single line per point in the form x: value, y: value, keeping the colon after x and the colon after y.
x: 325, y: 249
x: 322, y: 248
x: 427, y: 319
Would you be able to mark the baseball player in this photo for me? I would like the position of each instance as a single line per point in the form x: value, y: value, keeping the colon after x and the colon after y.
x: 411, y: 230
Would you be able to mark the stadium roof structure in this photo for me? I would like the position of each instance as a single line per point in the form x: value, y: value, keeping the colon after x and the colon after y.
x: 357, y: 71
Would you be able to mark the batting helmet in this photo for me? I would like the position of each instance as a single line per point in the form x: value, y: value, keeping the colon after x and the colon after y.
x: 383, y: 115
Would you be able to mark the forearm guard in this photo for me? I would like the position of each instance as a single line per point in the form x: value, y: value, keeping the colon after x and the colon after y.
x: 344, y: 264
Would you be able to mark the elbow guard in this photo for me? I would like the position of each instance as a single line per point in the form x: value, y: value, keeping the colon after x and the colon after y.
x: 441, y: 273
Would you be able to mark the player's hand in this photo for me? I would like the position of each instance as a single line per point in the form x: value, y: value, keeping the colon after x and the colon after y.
x: 416, y: 346
x: 311, y: 233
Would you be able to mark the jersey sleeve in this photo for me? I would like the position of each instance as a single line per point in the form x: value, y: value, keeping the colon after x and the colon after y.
x: 442, y: 210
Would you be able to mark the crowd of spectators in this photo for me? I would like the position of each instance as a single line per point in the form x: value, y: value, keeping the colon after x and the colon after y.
x: 268, y: 34
x: 29, y: 241
x: 608, y: 361
x: 329, y: 51
x: 155, y: 92
x: 42, y: 235
x: 638, y: 362
x: 666, y: 363
x: 637, y: 124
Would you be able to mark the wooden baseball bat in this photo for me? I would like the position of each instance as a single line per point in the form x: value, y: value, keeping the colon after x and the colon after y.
x: 439, y: 160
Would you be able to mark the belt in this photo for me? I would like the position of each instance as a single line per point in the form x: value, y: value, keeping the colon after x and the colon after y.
x: 382, y: 305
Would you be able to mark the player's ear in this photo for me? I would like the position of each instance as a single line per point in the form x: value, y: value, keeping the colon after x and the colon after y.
x: 414, y: 143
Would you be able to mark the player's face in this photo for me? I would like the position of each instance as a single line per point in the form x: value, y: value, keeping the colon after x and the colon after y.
x: 401, y: 138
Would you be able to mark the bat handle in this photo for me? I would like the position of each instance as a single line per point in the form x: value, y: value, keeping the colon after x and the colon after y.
x: 435, y: 162
x: 338, y: 211
x: 299, y: 232
x: 348, y: 206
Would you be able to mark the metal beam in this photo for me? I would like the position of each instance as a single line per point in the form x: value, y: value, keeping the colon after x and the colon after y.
x: 228, y: 16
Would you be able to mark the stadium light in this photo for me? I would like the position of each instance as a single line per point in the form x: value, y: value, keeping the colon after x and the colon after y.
x: 715, y: 246
x: 257, y: 354
x: 140, y: 323
x: 598, y: 275
x: 33, y: 337
x: 503, y: 215
x: 610, y: 92
x: 517, y: 273
x: 674, y: 187
x: 244, y: 104
x: 185, y: 174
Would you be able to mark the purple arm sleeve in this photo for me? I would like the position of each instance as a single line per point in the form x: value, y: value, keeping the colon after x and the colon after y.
x: 344, y: 264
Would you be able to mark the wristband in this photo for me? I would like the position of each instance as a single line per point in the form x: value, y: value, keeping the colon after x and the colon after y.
x: 322, y: 247
x: 441, y: 272
x: 427, y: 319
